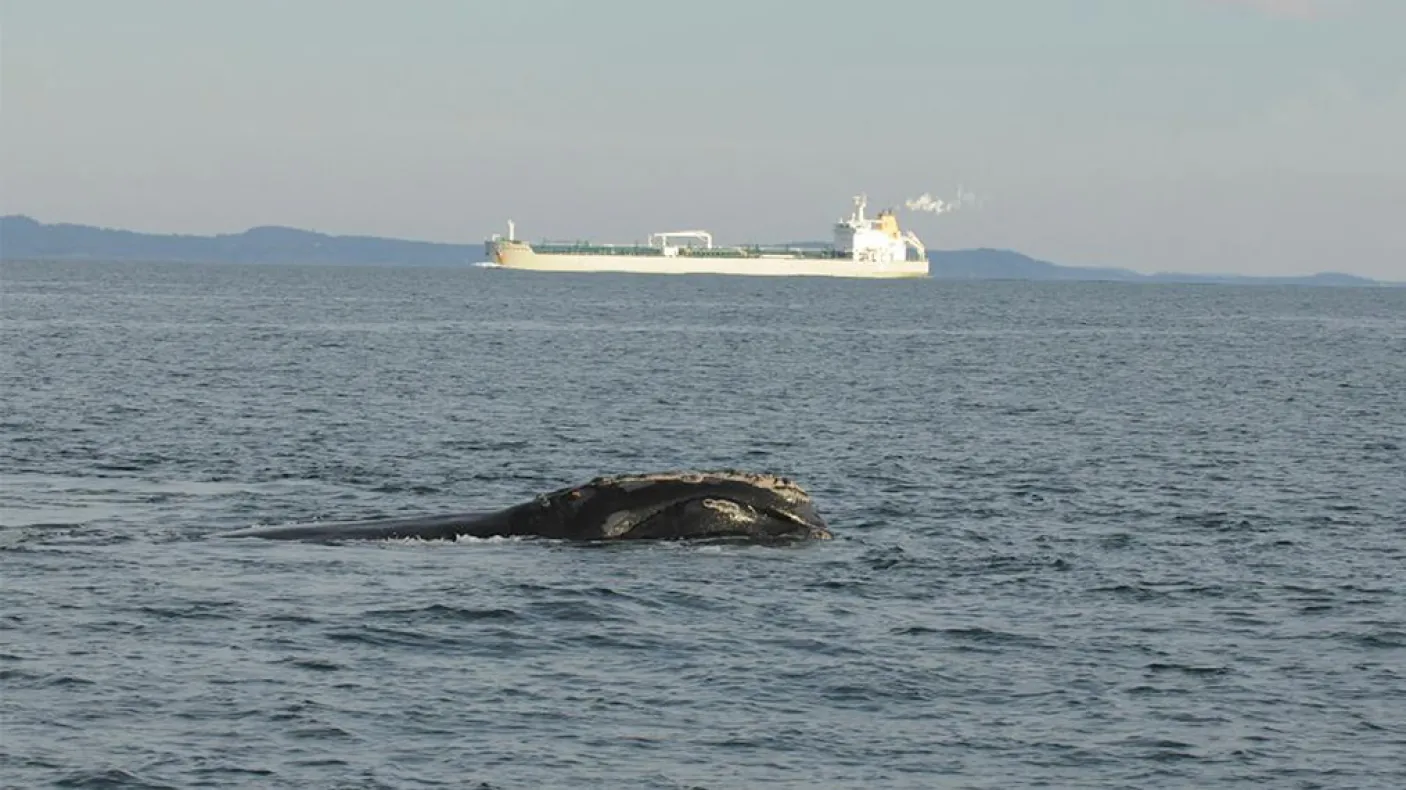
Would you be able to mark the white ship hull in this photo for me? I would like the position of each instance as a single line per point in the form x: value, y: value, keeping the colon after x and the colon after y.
x: 516, y: 255
x: 863, y: 247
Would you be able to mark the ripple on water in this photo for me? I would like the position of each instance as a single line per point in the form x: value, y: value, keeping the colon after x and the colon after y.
x: 1088, y: 535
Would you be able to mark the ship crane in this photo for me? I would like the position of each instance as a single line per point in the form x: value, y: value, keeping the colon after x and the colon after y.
x: 701, y: 235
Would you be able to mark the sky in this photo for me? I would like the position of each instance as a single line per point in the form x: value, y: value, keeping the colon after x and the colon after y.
x: 1234, y: 136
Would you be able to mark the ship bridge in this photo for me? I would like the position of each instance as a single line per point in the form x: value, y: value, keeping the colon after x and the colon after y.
x: 876, y: 240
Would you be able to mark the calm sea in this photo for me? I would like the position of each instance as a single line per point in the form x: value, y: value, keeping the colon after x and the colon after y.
x: 1089, y: 535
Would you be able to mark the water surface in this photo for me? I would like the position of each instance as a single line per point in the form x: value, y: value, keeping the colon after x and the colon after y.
x: 1089, y: 535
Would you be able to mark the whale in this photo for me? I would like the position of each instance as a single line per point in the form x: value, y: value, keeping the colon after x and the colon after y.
x: 675, y: 505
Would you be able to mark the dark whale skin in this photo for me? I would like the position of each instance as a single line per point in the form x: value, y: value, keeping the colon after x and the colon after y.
x: 655, y: 506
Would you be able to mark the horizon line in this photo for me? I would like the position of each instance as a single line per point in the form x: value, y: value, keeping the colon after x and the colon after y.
x: 407, y: 240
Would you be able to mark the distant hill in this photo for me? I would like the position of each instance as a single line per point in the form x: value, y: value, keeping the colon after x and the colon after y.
x: 987, y: 264
x: 23, y: 238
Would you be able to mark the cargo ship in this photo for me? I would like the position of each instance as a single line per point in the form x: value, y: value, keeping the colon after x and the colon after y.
x: 862, y: 247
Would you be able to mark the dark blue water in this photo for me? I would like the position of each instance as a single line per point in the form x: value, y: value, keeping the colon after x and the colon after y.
x: 1089, y: 535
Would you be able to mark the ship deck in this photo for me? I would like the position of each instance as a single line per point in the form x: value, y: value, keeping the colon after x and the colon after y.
x: 648, y: 251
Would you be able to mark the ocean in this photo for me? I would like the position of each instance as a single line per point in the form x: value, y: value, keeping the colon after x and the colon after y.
x: 1087, y: 534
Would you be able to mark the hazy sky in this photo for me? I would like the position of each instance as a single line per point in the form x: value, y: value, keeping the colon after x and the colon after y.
x: 1255, y: 136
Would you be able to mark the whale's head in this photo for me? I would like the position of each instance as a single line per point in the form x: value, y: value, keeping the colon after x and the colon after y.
x: 687, y: 506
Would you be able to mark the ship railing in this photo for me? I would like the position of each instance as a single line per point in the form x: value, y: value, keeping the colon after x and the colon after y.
x: 913, y: 241
x: 596, y: 248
